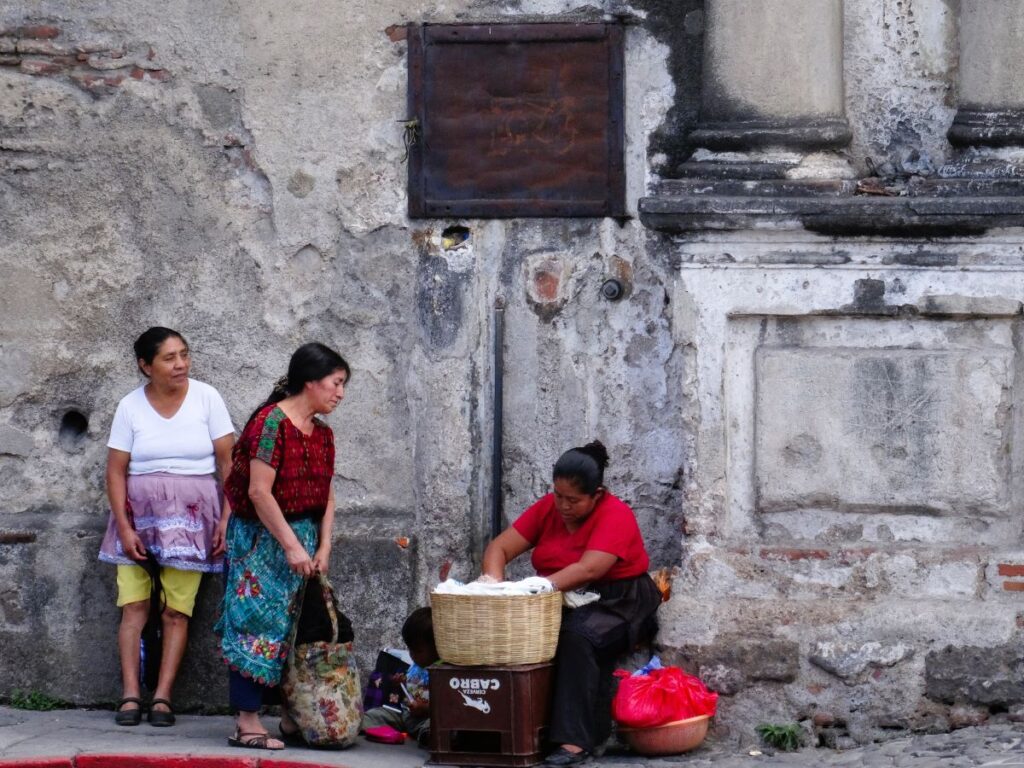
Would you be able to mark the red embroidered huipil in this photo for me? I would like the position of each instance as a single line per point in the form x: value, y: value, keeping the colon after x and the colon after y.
x: 304, y: 464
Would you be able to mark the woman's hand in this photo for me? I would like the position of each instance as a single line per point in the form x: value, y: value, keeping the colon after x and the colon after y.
x: 299, y: 561
x: 322, y: 558
x: 131, y: 543
x: 220, y: 536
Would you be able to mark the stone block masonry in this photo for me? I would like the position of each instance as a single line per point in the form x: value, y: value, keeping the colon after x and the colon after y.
x: 856, y: 487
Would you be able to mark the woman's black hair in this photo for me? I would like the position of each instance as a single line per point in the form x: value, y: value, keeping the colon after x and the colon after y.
x: 148, y: 344
x: 584, y: 466
x: 310, y: 362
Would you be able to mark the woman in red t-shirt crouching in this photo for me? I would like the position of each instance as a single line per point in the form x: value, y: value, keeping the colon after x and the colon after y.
x: 584, y: 537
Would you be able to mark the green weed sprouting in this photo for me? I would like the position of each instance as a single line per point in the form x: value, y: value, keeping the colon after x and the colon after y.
x: 784, y: 737
x: 37, y: 701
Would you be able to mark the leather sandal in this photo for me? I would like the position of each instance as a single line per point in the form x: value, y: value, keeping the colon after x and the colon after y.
x: 160, y: 719
x: 252, y: 741
x: 128, y: 716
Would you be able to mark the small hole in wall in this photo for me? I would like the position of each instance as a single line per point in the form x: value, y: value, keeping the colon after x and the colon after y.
x: 74, y: 426
x: 454, y: 237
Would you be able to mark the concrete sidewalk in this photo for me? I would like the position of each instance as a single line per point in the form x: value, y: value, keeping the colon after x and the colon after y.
x: 66, y: 733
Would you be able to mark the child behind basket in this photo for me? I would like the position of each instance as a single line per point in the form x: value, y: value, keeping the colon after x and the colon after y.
x: 413, y: 718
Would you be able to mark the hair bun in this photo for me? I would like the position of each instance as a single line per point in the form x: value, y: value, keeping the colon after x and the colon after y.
x: 595, y: 449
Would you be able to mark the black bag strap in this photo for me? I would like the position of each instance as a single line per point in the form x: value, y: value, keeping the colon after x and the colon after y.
x: 328, y: 592
x: 152, y: 632
x: 157, y: 596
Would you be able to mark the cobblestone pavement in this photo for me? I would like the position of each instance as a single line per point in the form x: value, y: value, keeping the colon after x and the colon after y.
x: 988, y: 746
x: 26, y: 735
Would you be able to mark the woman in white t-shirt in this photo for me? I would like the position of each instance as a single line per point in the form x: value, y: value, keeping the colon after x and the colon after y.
x: 170, y: 439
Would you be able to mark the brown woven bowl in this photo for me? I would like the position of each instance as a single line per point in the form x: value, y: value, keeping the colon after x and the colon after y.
x: 668, y: 739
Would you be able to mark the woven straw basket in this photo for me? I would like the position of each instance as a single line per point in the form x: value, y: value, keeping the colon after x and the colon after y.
x: 484, y: 629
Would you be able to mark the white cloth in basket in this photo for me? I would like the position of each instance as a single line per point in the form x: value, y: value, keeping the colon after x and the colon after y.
x: 534, y: 585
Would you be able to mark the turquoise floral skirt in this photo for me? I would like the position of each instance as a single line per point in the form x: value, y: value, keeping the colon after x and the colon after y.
x: 260, y: 598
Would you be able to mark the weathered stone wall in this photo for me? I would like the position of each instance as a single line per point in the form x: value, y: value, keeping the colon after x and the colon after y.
x: 854, y: 542
x: 822, y: 432
x: 237, y: 173
x: 854, y: 506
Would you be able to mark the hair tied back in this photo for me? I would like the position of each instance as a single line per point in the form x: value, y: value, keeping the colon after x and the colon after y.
x: 584, y: 465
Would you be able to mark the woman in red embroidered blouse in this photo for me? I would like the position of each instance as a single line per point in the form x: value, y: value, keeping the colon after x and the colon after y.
x: 583, y: 536
x: 282, y: 506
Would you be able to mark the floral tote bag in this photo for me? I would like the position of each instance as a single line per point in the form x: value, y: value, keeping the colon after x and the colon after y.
x: 320, y: 684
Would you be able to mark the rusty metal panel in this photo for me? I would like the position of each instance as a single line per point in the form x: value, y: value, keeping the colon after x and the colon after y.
x: 516, y: 120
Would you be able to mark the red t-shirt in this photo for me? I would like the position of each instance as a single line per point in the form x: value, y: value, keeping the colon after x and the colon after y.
x: 610, y: 528
x: 304, y: 464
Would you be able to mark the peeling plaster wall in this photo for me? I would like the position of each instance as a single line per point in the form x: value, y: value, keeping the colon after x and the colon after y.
x: 236, y: 172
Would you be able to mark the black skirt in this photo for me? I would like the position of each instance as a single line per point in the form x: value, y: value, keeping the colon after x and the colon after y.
x: 627, y: 611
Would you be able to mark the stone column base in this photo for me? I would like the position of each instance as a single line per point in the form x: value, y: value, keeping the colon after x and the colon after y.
x: 984, y: 128
x: 813, y: 133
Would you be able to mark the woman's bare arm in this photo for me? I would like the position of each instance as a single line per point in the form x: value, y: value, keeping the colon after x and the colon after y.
x: 502, y: 550
x: 261, y: 481
x: 322, y: 557
x: 117, y: 495
x: 591, y: 567
x: 222, y: 456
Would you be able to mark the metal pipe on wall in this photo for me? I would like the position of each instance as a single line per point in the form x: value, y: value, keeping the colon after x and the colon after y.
x: 498, y: 415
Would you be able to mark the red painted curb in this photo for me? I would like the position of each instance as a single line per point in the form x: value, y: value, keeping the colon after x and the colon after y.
x: 155, y: 761
x: 163, y: 761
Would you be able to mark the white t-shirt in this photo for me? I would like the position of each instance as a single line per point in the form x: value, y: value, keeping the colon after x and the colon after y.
x: 182, y: 444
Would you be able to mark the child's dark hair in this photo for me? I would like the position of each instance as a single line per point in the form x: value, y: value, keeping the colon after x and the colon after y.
x: 310, y: 362
x: 584, y: 466
x: 418, y: 630
x: 148, y: 344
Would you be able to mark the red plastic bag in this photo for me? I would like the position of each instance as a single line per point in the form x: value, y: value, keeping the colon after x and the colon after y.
x: 661, y: 696
x: 384, y: 734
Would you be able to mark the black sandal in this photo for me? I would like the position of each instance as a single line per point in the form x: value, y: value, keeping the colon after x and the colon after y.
x: 292, y: 738
x: 252, y: 741
x: 128, y: 716
x: 563, y: 757
x: 160, y: 719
